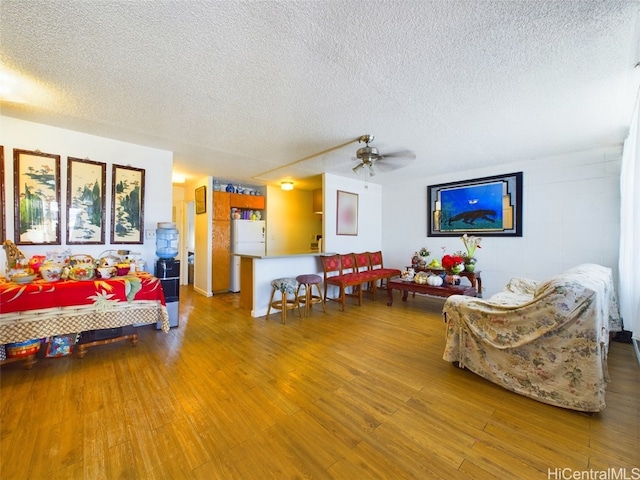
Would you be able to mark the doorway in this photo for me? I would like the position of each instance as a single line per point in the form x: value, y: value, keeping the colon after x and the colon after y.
x: 183, y: 216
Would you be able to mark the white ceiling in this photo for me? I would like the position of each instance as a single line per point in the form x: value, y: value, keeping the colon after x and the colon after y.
x: 241, y: 89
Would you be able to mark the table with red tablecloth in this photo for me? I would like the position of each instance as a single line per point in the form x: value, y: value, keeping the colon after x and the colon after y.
x: 40, y: 309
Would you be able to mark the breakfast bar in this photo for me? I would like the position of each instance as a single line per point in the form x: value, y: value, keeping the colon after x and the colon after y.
x: 257, y: 272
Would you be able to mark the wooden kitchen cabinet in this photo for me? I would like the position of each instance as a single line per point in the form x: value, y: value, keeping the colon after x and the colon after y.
x: 221, y: 231
x: 221, y: 255
x: 221, y: 206
x: 252, y: 202
x: 221, y: 245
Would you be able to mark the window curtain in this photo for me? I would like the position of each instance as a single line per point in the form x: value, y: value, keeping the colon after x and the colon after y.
x: 629, y: 266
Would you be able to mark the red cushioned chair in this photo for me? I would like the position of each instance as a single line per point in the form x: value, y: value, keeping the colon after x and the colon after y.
x: 363, y: 266
x: 340, y: 270
x: 384, y: 274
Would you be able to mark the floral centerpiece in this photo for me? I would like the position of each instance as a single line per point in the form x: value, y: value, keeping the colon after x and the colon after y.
x: 470, y: 243
x: 453, y: 264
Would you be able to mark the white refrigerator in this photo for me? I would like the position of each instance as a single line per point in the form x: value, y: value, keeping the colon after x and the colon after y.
x: 247, y: 237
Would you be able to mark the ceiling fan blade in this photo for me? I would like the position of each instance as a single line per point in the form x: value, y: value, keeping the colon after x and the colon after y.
x: 409, y: 155
x: 382, y: 167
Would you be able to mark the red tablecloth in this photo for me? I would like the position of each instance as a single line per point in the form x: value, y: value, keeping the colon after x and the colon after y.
x: 66, y: 293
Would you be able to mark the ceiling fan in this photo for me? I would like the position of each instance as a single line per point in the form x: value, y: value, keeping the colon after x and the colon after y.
x: 370, y: 159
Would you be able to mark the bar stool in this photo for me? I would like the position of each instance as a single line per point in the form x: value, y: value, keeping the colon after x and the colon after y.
x: 285, y: 286
x: 308, y: 281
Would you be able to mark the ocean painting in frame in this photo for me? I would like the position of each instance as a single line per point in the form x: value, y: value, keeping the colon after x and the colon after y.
x: 488, y: 206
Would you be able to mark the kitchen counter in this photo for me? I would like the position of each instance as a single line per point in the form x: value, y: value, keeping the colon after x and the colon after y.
x: 284, y: 255
x: 257, y: 272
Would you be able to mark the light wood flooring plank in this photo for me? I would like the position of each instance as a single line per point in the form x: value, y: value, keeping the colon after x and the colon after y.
x: 339, y: 395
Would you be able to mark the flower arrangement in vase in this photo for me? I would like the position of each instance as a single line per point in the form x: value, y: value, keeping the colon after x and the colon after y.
x: 470, y: 243
x: 453, y: 264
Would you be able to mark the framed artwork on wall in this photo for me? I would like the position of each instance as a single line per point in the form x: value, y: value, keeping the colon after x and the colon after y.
x: 86, y: 186
x: 201, y: 199
x: 127, y: 204
x: 488, y: 206
x: 36, y: 197
x: 3, y: 202
x: 347, y: 213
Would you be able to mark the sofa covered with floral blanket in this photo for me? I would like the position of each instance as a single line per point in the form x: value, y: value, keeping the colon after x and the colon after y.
x: 547, y: 340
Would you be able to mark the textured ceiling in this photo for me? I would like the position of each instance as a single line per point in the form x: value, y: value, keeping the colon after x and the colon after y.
x: 241, y: 89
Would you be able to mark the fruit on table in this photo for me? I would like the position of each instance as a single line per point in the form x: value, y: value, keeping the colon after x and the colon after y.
x: 435, y: 263
x: 421, y: 278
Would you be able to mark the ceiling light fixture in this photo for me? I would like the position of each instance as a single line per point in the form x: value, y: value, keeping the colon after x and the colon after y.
x: 368, y: 167
x: 178, y: 178
x: 286, y: 186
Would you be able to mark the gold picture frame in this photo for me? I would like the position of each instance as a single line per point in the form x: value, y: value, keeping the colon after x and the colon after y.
x: 347, y: 213
x: 201, y: 199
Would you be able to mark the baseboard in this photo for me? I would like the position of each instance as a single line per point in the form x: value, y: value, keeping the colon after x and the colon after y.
x: 202, y: 292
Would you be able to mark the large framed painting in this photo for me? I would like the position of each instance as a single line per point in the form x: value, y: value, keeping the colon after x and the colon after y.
x: 36, y: 197
x: 488, y: 206
x: 347, y: 213
x: 86, y: 185
x: 127, y: 205
x: 3, y: 201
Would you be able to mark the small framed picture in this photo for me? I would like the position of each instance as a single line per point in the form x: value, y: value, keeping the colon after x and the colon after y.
x: 347, y: 213
x: 201, y: 199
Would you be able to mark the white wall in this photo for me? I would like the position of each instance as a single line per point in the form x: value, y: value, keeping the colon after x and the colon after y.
x: 204, y: 241
x: 157, y: 163
x: 570, y: 213
x: 290, y: 222
x: 369, y: 236
x: 181, y: 217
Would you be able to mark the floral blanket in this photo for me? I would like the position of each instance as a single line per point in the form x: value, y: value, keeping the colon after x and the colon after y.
x: 546, y: 340
x: 41, y: 309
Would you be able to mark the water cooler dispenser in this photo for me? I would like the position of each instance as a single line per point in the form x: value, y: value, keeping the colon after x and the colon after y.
x: 167, y: 269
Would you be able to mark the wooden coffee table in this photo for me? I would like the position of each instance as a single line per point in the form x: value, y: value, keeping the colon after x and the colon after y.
x: 410, y: 286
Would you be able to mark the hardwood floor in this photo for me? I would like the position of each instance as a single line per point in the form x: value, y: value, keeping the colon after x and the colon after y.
x: 354, y: 395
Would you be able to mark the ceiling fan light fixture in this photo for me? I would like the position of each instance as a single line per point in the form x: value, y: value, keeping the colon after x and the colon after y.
x: 287, y: 186
x: 368, y: 153
x: 369, y: 156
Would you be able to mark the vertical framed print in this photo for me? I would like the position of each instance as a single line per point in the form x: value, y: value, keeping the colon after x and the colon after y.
x: 127, y: 204
x: 3, y: 201
x: 201, y: 200
x: 37, y: 197
x: 347, y: 213
x: 86, y: 185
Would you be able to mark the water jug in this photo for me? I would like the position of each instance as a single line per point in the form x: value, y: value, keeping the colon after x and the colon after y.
x: 166, y: 240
